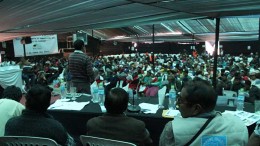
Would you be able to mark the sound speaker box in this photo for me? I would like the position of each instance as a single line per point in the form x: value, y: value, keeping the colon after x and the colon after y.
x: 27, y: 40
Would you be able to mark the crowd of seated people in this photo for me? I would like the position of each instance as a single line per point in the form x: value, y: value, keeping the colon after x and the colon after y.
x: 233, y: 73
x: 146, y: 77
x: 40, y: 71
x: 238, y: 74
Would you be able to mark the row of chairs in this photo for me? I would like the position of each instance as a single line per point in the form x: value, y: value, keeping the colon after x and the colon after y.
x: 40, y: 141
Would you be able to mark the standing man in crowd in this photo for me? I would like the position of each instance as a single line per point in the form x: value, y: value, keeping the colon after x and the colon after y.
x: 80, y: 68
x: 200, y: 124
x: 27, y: 75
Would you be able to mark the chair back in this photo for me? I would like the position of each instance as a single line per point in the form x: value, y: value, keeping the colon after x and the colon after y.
x: 226, y: 101
x: 229, y: 93
x: 26, y: 141
x: 126, y: 87
x: 222, y: 100
x: 120, y: 83
x: 97, y: 141
x: 162, y: 90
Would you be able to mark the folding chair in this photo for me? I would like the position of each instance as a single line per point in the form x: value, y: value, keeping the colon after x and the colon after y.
x: 226, y: 101
x: 26, y: 141
x: 97, y: 141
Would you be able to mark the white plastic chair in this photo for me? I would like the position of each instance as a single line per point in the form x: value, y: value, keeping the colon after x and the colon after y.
x: 97, y: 141
x: 229, y: 93
x: 120, y: 83
x: 126, y: 87
x: 224, y: 101
x: 162, y: 90
x: 26, y: 141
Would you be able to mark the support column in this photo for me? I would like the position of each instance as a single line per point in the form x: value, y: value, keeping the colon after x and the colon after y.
x: 24, y: 50
x: 153, y: 35
x: 258, y: 41
x: 93, y: 49
x: 152, y: 55
x: 214, y: 80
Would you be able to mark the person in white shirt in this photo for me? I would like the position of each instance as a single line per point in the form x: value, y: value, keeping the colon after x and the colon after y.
x: 10, y: 106
x: 255, y: 136
x: 196, y: 104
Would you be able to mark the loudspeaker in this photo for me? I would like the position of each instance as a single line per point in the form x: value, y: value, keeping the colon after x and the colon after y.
x: 4, y: 45
x: 27, y: 40
x: 80, y: 36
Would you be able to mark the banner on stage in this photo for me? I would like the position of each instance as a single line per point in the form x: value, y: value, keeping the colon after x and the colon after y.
x: 41, y: 45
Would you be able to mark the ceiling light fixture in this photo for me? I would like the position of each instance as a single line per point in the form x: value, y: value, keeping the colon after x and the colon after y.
x: 167, y: 1
x: 168, y: 34
x: 118, y: 38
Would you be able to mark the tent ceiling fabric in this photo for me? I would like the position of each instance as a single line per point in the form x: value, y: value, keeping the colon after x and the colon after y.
x: 132, y: 20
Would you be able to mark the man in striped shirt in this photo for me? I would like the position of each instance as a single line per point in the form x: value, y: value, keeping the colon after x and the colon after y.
x: 80, y: 68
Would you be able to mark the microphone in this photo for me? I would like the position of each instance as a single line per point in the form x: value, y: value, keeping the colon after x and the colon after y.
x: 132, y: 107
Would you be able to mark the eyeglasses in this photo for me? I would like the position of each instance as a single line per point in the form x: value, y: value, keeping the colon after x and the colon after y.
x: 180, y: 100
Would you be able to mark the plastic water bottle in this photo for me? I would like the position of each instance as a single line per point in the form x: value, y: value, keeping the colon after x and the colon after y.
x: 95, y: 98
x: 63, y: 91
x: 240, y: 101
x: 54, y: 82
x: 172, y: 99
x: 101, y: 95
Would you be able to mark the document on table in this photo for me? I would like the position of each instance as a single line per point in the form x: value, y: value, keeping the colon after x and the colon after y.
x: 246, y: 117
x: 65, y: 105
x: 170, y: 113
x: 148, y: 108
x: 103, y: 109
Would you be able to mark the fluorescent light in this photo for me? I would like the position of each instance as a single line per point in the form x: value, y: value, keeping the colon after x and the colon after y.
x: 168, y: 34
x: 118, y: 38
x: 167, y: 1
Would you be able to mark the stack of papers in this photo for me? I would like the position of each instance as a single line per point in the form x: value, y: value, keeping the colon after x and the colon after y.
x: 63, y: 104
x: 77, y: 94
x: 246, y: 117
x: 148, y: 108
x: 103, y: 109
x: 170, y: 113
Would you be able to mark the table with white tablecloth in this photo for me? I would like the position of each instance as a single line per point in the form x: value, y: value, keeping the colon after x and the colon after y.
x: 11, y: 75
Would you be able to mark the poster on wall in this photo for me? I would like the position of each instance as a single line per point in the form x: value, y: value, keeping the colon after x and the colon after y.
x: 40, y: 45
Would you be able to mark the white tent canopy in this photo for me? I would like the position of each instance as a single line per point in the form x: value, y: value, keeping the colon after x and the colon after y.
x: 132, y: 20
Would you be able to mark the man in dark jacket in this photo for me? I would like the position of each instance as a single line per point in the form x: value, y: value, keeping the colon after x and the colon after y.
x: 115, y: 124
x: 34, y: 120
